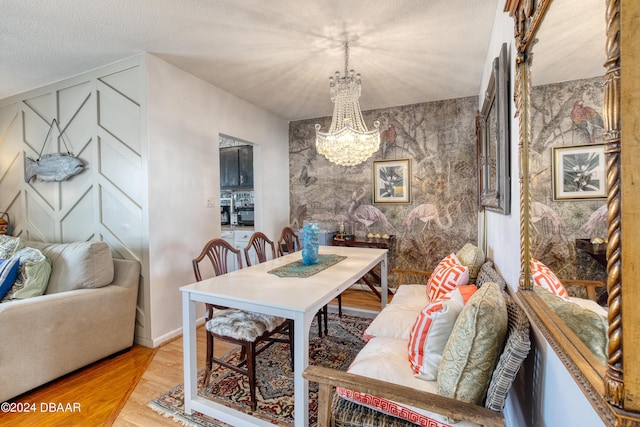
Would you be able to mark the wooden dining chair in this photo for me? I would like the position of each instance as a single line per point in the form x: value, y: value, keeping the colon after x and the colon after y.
x: 288, y: 243
x: 261, y: 245
x: 250, y: 329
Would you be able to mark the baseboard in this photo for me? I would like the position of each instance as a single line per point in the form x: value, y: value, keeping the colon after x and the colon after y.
x: 174, y: 334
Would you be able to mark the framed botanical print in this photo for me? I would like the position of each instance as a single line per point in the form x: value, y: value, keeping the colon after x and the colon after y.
x: 392, y: 181
x: 579, y: 172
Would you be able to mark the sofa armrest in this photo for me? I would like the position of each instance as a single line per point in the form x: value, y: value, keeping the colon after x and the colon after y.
x: 590, y: 286
x: 455, y: 409
x: 402, y: 272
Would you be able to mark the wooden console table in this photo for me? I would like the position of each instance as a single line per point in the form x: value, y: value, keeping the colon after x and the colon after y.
x: 371, y: 279
x: 597, y: 250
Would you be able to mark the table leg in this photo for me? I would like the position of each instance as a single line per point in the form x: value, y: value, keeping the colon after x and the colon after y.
x: 383, y: 281
x: 301, y: 355
x: 189, y: 351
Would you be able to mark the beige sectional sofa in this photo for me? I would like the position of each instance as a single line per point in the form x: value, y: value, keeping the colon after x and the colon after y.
x: 87, y: 313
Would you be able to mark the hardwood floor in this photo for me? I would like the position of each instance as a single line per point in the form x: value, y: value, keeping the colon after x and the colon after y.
x: 115, y: 391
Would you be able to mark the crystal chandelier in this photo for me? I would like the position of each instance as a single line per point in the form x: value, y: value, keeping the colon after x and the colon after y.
x: 348, y: 141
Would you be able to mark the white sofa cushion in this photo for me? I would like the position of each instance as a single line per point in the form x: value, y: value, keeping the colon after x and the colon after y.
x: 386, y: 359
x: 78, y: 265
x: 397, y: 318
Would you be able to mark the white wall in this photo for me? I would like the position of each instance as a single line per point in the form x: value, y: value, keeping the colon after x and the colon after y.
x: 184, y: 117
x: 544, y: 393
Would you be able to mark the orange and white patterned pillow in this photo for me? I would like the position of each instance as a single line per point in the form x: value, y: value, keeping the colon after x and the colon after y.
x: 545, y: 278
x: 448, y: 275
x: 430, y: 333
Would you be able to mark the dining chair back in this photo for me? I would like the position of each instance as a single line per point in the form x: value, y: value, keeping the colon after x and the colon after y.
x: 251, y: 328
x: 262, y: 247
x: 288, y: 242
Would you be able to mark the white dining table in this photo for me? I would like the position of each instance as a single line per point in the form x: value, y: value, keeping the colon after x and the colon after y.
x: 255, y: 289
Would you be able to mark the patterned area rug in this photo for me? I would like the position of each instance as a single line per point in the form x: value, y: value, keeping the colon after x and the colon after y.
x: 273, y: 376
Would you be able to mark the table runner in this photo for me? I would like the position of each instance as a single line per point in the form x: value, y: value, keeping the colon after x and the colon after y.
x: 298, y: 269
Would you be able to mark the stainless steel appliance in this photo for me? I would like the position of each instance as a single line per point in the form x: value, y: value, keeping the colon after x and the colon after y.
x: 245, y: 215
x: 226, y: 210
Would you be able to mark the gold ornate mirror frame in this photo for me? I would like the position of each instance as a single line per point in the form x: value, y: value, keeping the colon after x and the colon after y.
x: 613, y: 390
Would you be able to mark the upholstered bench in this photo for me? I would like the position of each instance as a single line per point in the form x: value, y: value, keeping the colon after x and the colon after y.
x: 381, y: 388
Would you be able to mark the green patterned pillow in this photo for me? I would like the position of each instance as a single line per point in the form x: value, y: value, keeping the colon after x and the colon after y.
x: 590, y: 327
x: 8, y: 245
x: 33, y: 277
x: 474, y: 346
x: 471, y: 257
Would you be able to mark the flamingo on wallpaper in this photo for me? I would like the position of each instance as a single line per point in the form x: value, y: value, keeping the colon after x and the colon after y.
x: 366, y: 214
x: 597, y: 217
x: 426, y: 213
x: 540, y: 211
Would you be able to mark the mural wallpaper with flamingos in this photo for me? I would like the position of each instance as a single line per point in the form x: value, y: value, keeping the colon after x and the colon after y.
x: 564, y: 114
x: 439, y: 139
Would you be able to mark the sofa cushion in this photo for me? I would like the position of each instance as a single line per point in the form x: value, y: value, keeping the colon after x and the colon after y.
x: 591, y: 328
x: 543, y: 276
x: 386, y: 359
x: 430, y: 333
x: 448, y: 275
x: 473, y: 348
x: 8, y: 245
x: 77, y: 265
x: 9, y: 269
x: 489, y: 274
x: 516, y: 349
x: 472, y: 257
x: 32, y: 279
x: 397, y: 318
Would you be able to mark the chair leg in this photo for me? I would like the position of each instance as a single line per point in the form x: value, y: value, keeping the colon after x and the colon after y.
x: 251, y: 368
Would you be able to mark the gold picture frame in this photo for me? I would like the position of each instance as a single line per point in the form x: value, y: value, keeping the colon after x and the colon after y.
x: 392, y: 181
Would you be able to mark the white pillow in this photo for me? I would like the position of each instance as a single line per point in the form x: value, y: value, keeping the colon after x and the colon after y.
x: 430, y: 334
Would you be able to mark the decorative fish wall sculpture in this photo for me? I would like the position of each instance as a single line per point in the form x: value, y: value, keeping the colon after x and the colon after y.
x: 52, y: 167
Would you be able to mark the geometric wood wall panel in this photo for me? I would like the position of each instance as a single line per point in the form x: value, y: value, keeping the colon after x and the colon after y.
x: 123, y: 219
x: 11, y: 166
x: 121, y: 166
x: 99, y: 114
x: 42, y: 225
x: 77, y: 225
x: 119, y: 116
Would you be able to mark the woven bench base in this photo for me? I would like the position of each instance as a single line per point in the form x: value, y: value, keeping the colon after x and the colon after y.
x: 350, y: 414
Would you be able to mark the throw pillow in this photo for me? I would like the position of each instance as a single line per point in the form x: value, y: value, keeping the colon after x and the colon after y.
x: 8, y: 245
x: 472, y: 257
x: 430, y: 333
x: 545, y: 278
x: 590, y: 327
x: 9, y: 269
x: 476, y: 340
x: 77, y: 265
x: 33, y: 277
x: 448, y: 275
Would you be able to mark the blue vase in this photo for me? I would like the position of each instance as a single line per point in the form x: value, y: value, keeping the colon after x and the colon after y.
x: 310, y: 249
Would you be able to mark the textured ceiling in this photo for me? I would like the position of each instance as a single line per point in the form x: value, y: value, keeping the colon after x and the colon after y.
x: 276, y: 54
